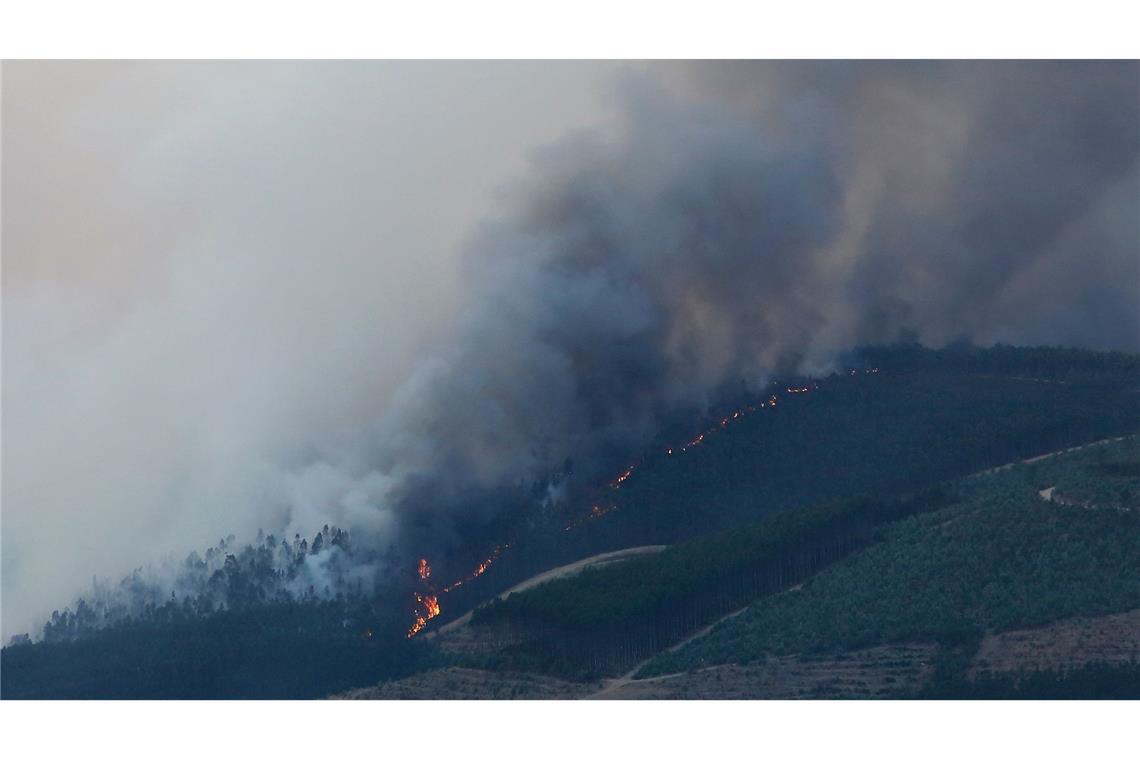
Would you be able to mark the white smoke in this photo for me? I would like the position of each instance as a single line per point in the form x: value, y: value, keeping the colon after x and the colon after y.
x: 215, y: 276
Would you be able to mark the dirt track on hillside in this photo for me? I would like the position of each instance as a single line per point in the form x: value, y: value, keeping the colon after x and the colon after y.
x: 564, y: 571
x: 1049, y: 455
x: 610, y: 687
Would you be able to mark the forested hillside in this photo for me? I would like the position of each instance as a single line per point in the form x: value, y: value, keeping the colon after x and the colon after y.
x: 606, y: 619
x: 923, y: 418
x: 816, y: 465
x: 1002, y: 558
x: 985, y: 588
x: 304, y: 649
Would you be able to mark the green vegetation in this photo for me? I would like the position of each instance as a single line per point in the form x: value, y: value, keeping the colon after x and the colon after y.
x: 1003, y: 558
x: 608, y: 618
x: 1052, y: 363
x: 949, y: 565
x: 1105, y: 477
x: 635, y: 586
x: 275, y: 651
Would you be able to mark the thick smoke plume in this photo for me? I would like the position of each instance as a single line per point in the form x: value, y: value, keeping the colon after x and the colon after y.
x: 728, y: 222
x: 752, y: 219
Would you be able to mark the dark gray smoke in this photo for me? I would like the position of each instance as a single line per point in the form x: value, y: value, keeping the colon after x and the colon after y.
x: 749, y: 219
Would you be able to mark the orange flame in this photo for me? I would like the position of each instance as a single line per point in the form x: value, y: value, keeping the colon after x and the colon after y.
x: 624, y: 476
x: 427, y: 604
x: 428, y: 607
x: 596, y: 511
x: 431, y: 604
x: 480, y: 569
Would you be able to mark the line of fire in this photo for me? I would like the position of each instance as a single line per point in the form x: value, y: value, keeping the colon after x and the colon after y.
x: 427, y: 604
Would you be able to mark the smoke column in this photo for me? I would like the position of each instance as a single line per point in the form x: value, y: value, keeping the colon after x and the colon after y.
x: 746, y: 219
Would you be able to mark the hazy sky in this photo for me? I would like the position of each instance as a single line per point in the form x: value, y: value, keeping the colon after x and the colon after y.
x: 209, y: 268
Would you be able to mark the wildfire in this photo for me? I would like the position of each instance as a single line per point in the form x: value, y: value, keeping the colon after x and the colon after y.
x: 599, y: 510
x: 624, y: 476
x: 725, y: 421
x: 427, y: 607
x: 427, y: 604
x: 430, y: 603
x: 481, y: 568
x: 596, y: 511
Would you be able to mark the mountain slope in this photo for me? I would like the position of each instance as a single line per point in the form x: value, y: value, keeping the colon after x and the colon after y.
x: 1002, y: 559
x: 923, y: 418
x: 1000, y: 594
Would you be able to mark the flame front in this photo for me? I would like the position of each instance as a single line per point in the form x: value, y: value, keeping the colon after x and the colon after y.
x: 624, y: 476
x: 427, y: 605
x: 480, y: 569
x: 431, y: 605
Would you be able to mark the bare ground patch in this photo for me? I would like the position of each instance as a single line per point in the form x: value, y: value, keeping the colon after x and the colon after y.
x: 470, y: 683
x: 1064, y: 644
x: 879, y: 672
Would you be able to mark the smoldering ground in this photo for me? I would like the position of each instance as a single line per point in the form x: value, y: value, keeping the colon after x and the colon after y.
x: 720, y: 223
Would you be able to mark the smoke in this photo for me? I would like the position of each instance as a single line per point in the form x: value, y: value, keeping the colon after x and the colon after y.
x: 269, y: 328
x: 215, y: 276
x: 746, y: 219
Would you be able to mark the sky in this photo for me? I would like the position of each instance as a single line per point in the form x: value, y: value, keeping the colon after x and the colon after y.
x: 276, y: 295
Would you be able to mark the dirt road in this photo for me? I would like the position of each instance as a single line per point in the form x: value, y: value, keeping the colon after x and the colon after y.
x: 612, y: 685
x: 1050, y: 455
x: 564, y: 571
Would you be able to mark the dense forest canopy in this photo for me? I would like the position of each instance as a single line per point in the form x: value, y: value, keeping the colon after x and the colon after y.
x: 1002, y: 558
